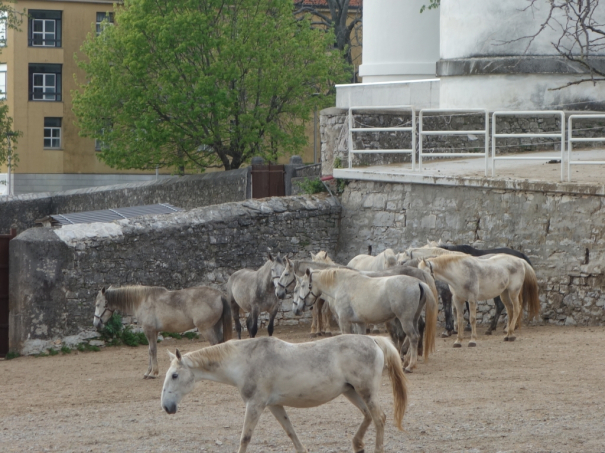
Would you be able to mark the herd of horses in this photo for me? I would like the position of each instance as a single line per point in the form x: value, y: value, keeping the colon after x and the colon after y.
x: 389, y: 288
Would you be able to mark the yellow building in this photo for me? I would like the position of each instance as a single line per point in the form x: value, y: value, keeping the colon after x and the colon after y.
x: 37, y: 67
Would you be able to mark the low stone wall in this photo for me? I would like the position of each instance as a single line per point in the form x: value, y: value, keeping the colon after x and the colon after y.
x: 186, y: 192
x: 55, y: 273
x: 562, y: 233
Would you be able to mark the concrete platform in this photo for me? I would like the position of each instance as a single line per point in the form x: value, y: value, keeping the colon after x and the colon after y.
x: 509, y: 174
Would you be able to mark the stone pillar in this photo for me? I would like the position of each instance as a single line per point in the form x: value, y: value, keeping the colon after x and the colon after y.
x: 399, y: 43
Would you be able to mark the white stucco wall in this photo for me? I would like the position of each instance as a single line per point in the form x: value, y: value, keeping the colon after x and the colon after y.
x: 471, y: 28
x: 421, y: 94
x: 399, y: 43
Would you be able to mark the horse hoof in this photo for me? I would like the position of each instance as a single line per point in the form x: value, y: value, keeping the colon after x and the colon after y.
x: 328, y: 334
x: 445, y: 334
x: 407, y: 370
x: 375, y: 331
x: 151, y: 377
x: 489, y: 332
x: 457, y: 345
x: 145, y: 376
x: 511, y: 338
x: 367, y: 331
x: 472, y: 344
x: 420, y: 352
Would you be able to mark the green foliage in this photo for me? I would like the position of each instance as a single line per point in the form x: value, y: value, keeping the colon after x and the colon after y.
x: 338, y: 162
x: 312, y: 185
x: 6, y: 132
x: 12, y: 355
x: 434, y: 4
x: 41, y: 354
x: 191, y: 335
x: 192, y: 84
x: 81, y: 347
x: 87, y: 347
x: 114, y: 333
x: 340, y: 185
x: 65, y: 350
x: 176, y: 336
x: 53, y: 351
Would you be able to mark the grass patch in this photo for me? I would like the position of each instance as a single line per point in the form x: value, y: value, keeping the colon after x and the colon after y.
x: 191, y: 335
x: 42, y: 354
x: 65, y: 350
x: 12, y: 355
x: 311, y: 186
x: 82, y: 347
x: 178, y: 336
x: 53, y: 351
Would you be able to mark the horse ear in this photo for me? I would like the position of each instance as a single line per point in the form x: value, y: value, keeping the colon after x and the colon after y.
x: 269, y: 256
x: 171, y: 355
x: 308, y: 272
x: 178, y: 355
x: 312, y: 255
x: 103, y: 291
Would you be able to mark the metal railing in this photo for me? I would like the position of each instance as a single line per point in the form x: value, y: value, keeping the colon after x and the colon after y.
x: 422, y: 133
x: 571, y: 140
x: 412, y: 129
x: 561, y: 135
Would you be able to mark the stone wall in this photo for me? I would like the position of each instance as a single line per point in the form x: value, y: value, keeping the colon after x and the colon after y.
x: 186, y: 192
x: 562, y: 233
x: 334, y: 135
x: 56, y: 273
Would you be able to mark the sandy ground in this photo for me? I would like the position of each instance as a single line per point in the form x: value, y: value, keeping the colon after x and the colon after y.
x: 544, y: 392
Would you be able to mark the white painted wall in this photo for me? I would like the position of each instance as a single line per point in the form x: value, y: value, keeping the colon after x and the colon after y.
x: 399, y: 43
x: 422, y: 94
x: 471, y: 28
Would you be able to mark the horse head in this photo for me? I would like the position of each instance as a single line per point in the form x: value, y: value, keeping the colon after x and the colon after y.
x: 102, y: 311
x: 277, y: 268
x: 286, y: 278
x: 179, y: 381
x: 303, y: 293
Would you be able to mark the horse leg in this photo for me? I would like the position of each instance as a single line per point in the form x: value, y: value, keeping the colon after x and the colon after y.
x: 446, y: 300
x: 396, y: 333
x: 354, y: 398
x: 252, y: 321
x: 421, y: 326
x: 472, y: 317
x: 253, y: 412
x: 152, y: 339
x: 459, y: 304
x: 319, y: 305
x: 272, y: 316
x: 238, y: 325
x: 210, y: 335
x: 510, y: 328
x: 468, y: 327
x: 409, y: 328
x: 326, y: 315
x: 282, y: 417
x: 315, y: 322
x: 494, y: 323
x: 379, y: 418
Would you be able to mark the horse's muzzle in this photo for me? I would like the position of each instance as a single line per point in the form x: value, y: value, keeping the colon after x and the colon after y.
x: 170, y: 409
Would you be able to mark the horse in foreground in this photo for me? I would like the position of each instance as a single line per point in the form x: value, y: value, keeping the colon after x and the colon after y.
x: 158, y: 309
x: 358, y: 299
x: 472, y: 279
x: 269, y: 372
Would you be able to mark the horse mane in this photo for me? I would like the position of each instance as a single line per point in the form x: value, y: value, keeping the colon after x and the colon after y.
x: 447, y: 258
x: 328, y: 276
x: 203, y: 358
x: 128, y: 298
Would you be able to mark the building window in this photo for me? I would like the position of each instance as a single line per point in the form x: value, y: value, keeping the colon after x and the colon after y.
x: 3, y: 20
x: 3, y: 69
x: 52, y: 133
x: 44, y: 28
x: 45, y: 82
x: 100, y: 18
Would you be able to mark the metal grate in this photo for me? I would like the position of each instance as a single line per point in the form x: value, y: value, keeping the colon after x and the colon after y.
x: 109, y: 215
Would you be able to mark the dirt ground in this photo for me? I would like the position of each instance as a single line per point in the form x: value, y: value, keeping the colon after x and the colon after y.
x: 543, y: 393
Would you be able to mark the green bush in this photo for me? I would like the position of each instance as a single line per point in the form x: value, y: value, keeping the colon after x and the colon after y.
x: 65, y: 350
x: 191, y: 335
x: 52, y: 351
x: 114, y: 333
x: 311, y: 186
x: 12, y: 355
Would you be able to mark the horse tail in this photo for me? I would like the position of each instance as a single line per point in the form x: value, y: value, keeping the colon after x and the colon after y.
x: 398, y: 380
x: 530, y: 292
x: 431, y: 319
x: 226, y: 319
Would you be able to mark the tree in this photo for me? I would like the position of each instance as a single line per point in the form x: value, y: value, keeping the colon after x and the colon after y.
x: 193, y: 84
x: 581, y: 36
x: 333, y: 15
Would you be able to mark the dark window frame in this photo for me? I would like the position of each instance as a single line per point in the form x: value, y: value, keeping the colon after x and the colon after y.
x: 45, y: 18
x: 35, y: 94
x: 101, y: 16
x: 51, y: 126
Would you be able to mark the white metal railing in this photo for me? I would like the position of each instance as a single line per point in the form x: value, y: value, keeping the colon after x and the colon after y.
x: 571, y: 140
x: 412, y: 129
x: 422, y: 133
x: 541, y: 113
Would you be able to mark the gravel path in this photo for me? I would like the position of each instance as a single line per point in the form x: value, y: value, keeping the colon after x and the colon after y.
x: 543, y: 393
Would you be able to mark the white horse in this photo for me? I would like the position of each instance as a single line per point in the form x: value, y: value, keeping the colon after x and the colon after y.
x: 359, y: 299
x: 271, y: 373
x: 158, y: 309
x: 472, y: 279
x: 379, y: 262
